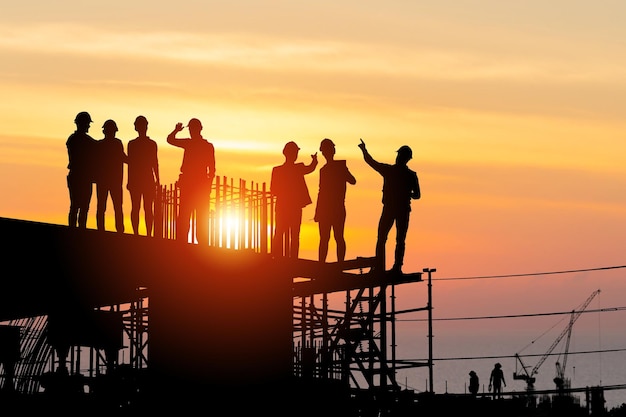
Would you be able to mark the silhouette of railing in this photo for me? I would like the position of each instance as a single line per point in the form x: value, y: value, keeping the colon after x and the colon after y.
x: 241, y: 216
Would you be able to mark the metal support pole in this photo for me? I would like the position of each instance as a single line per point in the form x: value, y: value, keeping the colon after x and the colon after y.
x: 429, y: 271
x: 384, y: 375
x: 393, y: 331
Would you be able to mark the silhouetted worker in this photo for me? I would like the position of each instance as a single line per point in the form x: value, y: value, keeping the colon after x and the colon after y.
x: 292, y: 195
x: 400, y: 185
x: 80, y: 178
x: 330, y: 211
x: 110, y: 177
x: 195, y: 181
x: 143, y: 176
x: 496, y: 380
x: 473, y: 383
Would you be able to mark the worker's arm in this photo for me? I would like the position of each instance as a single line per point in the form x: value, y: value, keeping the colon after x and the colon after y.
x: 311, y: 167
x: 367, y: 157
x: 416, y: 193
x: 171, y: 138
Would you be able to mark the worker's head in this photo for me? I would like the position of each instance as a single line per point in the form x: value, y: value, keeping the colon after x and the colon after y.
x: 327, y: 147
x: 194, y: 125
x: 141, y: 124
x: 291, y: 150
x: 109, y: 127
x: 82, y: 120
x: 404, y: 154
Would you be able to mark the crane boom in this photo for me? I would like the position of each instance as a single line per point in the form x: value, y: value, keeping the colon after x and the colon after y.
x: 529, y: 376
x: 574, y: 317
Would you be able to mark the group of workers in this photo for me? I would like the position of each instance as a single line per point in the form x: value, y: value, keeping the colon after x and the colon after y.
x: 102, y: 162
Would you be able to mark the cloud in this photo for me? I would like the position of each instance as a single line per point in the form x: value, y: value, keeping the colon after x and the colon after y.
x: 436, y: 61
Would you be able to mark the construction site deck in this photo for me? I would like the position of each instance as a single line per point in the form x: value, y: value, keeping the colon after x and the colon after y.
x: 86, y: 312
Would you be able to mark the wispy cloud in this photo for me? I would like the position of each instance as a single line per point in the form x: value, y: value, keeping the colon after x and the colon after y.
x: 305, y: 55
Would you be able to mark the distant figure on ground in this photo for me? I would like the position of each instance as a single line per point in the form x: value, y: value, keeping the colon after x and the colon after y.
x: 292, y: 195
x: 473, y: 383
x: 80, y: 178
x: 496, y: 380
x: 330, y: 211
x: 110, y: 177
x: 400, y: 185
x: 195, y: 181
x: 143, y: 176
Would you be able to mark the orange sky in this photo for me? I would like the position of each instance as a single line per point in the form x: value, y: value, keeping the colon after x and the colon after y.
x: 515, y: 112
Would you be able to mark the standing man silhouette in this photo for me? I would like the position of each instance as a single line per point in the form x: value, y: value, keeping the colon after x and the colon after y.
x: 110, y: 175
x: 80, y: 178
x: 195, y: 181
x: 330, y: 211
x: 292, y: 195
x: 496, y: 380
x: 143, y: 176
x: 400, y: 186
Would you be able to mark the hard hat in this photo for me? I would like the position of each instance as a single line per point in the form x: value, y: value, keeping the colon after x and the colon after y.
x: 110, y: 125
x: 83, y: 117
x: 194, y: 123
x: 406, y: 151
x: 290, y: 146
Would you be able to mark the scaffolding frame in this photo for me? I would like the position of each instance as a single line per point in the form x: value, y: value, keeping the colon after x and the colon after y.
x: 355, y: 343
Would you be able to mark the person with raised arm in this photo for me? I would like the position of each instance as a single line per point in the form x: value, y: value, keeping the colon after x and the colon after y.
x: 289, y: 187
x: 400, y: 186
x: 195, y: 181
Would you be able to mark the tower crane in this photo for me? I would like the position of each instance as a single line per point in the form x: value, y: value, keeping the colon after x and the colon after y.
x: 559, y: 380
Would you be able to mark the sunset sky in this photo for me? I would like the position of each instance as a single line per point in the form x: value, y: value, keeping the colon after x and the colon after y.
x: 515, y: 111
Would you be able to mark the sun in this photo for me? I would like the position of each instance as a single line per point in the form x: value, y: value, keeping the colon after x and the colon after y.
x: 239, y: 229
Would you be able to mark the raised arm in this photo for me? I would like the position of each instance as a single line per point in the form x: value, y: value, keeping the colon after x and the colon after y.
x: 367, y: 157
x: 171, y: 138
x: 311, y: 167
